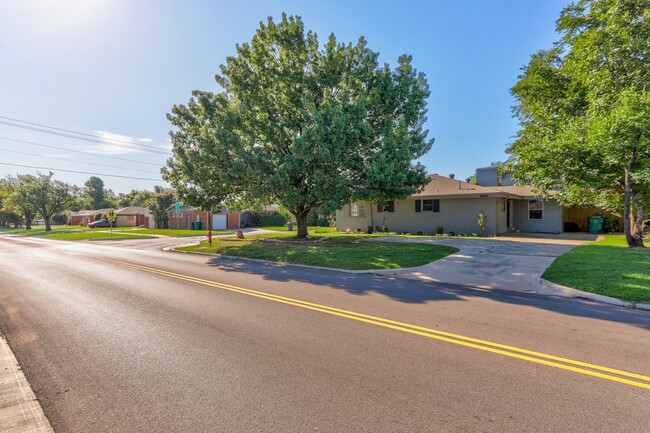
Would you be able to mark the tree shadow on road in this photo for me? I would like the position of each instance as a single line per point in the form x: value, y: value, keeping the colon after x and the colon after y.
x: 415, y: 292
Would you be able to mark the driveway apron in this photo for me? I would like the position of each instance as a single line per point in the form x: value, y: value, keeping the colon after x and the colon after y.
x: 515, y: 265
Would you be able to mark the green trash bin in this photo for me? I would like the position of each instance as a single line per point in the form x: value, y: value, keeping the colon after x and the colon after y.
x: 596, y: 225
x: 197, y: 225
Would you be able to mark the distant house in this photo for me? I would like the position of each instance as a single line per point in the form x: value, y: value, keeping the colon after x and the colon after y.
x: 84, y: 217
x: 185, y: 217
x: 130, y: 216
x: 450, y: 205
x: 134, y: 216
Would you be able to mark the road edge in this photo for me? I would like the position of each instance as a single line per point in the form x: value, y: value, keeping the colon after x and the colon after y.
x: 552, y: 289
x: 20, y: 411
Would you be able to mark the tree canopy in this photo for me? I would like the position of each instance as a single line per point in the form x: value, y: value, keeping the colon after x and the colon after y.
x: 584, y: 111
x: 40, y: 194
x: 301, y: 125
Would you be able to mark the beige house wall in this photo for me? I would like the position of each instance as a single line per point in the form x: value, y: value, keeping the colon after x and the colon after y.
x: 457, y: 215
x: 552, y: 222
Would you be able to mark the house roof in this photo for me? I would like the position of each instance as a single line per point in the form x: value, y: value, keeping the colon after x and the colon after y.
x: 443, y: 186
x: 524, y: 191
x: 132, y: 210
x: 89, y: 212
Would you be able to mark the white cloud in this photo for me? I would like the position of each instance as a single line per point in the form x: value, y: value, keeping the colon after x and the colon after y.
x: 166, y: 146
x: 145, y: 140
x: 115, y: 144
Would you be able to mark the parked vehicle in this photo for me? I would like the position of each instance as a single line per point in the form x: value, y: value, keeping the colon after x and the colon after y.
x: 100, y: 224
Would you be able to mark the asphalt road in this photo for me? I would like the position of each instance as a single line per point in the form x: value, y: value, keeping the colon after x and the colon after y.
x: 168, y: 342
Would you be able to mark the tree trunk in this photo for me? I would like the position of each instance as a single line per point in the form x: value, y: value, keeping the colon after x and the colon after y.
x: 637, y: 222
x: 28, y: 223
x: 301, y: 221
x: 627, y: 217
x: 48, y: 226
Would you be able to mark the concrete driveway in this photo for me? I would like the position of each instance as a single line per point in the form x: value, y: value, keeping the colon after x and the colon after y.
x: 513, y: 263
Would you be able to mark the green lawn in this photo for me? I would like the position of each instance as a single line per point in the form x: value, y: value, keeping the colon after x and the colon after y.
x: 341, y: 252
x: 104, y: 234
x: 84, y: 232
x: 310, y: 228
x: 605, y: 267
x: 173, y: 232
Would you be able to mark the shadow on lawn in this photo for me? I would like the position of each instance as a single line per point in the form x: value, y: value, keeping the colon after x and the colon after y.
x: 415, y: 292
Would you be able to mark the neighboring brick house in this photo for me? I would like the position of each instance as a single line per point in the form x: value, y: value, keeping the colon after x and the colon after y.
x: 130, y: 216
x: 83, y: 217
x: 185, y: 217
x: 134, y: 216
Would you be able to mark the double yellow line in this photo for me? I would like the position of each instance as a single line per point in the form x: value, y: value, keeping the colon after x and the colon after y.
x: 612, y: 374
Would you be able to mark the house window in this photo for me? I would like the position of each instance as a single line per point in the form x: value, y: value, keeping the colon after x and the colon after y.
x: 535, y: 210
x: 389, y: 206
x: 432, y: 205
x: 357, y: 209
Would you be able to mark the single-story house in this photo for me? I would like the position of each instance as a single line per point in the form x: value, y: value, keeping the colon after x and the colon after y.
x: 185, y: 217
x: 84, y: 217
x: 130, y: 216
x: 134, y: 216
x: 450, y: 205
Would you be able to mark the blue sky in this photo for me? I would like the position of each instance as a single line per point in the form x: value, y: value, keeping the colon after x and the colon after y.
x: 114, y: 68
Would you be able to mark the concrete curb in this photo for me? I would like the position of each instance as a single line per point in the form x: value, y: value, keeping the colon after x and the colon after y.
x: 20, y: 412
x: 547, y: 288
x: 570, y: 292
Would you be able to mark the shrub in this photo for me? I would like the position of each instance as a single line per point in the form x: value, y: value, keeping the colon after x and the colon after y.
x: 480, y: 219
x: 452, y: 233
x: 272, y: 219
x: 611, y: 224
x: 440, y: 231
x: 420, y: 233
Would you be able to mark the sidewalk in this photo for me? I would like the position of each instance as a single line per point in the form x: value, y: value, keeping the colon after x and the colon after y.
x: 20, y: 412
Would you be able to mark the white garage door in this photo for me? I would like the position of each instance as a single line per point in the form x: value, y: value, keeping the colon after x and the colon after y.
x: 219, y: 222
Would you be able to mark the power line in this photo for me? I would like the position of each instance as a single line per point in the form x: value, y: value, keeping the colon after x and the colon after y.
x: 72, y: 160
x: 79, y: 151
x: 95, y: 139
x: 80, y: 172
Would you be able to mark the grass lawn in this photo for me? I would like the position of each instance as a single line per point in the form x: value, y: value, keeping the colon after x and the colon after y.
x: 84, y: 232
x: 172, y: 232
x: 605, y: 267
x: 103, y: 234
x: 341, y: 252
x: 295, y: 228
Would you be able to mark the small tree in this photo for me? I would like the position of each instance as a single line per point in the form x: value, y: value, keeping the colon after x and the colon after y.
x: 481, y: 218
x: 159, y: 204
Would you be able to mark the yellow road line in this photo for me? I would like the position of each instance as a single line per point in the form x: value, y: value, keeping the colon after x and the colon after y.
x: 501, y: 349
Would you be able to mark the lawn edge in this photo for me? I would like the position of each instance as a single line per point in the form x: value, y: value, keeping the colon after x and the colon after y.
x: 280, y: 263
x: 555, y: 289
x: 571, y: 292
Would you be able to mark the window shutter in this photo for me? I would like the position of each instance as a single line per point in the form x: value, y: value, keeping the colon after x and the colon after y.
x: 436, y: 205
x: 380, y: 207
x: 391, y: 206
x: 418, y: 205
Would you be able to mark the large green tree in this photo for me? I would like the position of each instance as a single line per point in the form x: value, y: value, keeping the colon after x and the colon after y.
x: 41, y: 194
x: 584, y: 111
x: 301, y: 125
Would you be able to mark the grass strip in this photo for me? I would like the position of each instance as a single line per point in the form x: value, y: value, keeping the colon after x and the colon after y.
x: 606, y: 267
x: 339, y: 252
